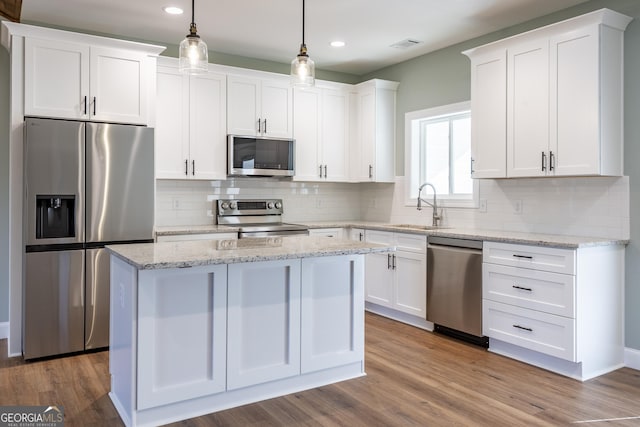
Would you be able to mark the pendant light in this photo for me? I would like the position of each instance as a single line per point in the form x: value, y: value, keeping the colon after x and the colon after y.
x: 194, y: 56
x: 303, y: 70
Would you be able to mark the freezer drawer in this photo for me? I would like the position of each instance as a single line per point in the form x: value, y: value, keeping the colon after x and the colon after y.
x: 97, y: 299
x: 53, y: 303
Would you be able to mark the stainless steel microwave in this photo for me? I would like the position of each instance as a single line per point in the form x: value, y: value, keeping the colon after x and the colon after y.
x: 260, y: 156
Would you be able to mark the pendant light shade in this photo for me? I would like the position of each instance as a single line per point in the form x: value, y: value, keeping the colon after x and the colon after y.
x: 194, y: 55
x: 303, y: 70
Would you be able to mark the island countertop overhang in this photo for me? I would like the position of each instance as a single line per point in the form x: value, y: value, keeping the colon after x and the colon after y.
x: 165, y: 255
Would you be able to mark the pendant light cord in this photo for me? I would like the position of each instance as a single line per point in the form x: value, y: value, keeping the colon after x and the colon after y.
x: 302, y: 21
x: 193, y: 11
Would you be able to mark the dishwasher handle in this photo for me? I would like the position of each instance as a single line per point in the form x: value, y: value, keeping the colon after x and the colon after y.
x: 454, y: 242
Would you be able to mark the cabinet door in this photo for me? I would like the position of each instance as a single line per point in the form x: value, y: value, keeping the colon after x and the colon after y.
x: 378, y: 271
x: 181, y: 334
x: 366, y: 134
x: 263, y: 322
x: 117, y: 85
x: 332, y: 312
x: 276, y: 109
x: 243, y: 100
x: 172, y: 124
x: 410, y: 294
x: 528, y: 109
x: 357, y: 234
x: 575, y: 103
x: 489, y: 115
x: 306, y: 131
x: 207, y: 124
x: 56, y: 79
x: 335, y: 135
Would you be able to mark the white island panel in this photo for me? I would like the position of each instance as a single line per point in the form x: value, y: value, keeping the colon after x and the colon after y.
x: 332, y: 312
x: 182, y: 329
x: 264, y: 322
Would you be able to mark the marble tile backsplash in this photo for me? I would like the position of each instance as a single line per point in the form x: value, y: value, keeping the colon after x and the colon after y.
x: 593, y: 206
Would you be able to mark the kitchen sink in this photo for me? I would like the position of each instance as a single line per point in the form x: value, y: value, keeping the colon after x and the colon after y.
x: 417, y: 227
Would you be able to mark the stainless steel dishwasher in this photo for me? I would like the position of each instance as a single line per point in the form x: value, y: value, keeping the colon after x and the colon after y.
x: 454, y: 287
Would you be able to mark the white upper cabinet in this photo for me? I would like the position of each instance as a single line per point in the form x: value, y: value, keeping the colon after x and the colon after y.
x: 259, y: 107
x: 191, y: 124
x: 74, y: 80
x: 489, y: 109
x: 563, y: 102
x: 321, y: 131
x: 528, y: 109
x: 374, y: 151
x: 56, y: 79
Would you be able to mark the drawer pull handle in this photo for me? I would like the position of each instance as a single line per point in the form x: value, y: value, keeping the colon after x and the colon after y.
x: 523, y: 256
x: 523, y: 328
x: 521, y: 288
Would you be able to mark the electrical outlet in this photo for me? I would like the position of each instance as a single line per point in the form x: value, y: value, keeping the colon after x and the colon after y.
x: 176, y: 204
x: 517, y: 207
x: 483, y: 205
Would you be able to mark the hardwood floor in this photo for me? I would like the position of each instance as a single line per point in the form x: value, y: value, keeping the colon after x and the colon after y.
x: 414, y: 378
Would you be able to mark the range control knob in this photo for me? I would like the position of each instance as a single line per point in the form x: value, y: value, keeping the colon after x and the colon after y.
x: 270, y: 205
x: 224, y: 205
x: 233, y: 205
x: 278, y: 205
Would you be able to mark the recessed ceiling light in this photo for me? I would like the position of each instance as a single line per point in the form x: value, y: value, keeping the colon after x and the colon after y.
x: 173, y: 10
x: 338, y: 43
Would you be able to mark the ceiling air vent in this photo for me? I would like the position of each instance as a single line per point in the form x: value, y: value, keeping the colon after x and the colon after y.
x: 406, y: 44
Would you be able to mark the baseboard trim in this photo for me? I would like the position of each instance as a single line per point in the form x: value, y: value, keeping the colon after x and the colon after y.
x: 4, y: 330
x: 632, y: 358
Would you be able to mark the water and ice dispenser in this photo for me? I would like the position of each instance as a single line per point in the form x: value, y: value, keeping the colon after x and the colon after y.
x: 55, y: 216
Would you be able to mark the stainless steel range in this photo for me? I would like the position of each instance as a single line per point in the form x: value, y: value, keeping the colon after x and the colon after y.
x: 257, y: 218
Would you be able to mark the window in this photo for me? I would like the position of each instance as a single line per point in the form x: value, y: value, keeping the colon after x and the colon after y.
x: 438, y: 151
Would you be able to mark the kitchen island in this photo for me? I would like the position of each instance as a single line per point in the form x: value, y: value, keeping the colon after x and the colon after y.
x: 201, y: 326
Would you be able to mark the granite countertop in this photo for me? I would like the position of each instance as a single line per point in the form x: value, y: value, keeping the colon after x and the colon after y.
x: 537, y: 239
x: 152, y: 256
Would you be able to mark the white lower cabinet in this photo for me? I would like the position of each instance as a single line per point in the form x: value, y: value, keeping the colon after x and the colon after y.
x: 182, y: 321
x: 197, y: 340
x: 356, y: 234
x: 196, y: 236
x: 398, y: 280
x: 327, y: 232
x: 332, y: 312
x: 560, y: 309
x: 263, y: 340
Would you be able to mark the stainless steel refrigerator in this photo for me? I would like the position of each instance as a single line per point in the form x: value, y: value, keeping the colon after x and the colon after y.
x: 86, y: 185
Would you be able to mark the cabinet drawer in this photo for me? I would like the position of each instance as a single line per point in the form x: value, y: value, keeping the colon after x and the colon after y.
x: 542, y: 332
x: 198, y: 236
x: 552, y: 293
x: 411, y: 243
x: 532, y: 257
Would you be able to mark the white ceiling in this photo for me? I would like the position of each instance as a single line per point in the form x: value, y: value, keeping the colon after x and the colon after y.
x: 272, y: 29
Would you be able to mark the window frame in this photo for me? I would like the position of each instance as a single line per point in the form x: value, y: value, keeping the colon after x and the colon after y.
x: 413, y: 160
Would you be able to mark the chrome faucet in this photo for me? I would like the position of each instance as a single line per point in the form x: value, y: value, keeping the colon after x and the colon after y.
x: 434, y: 205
